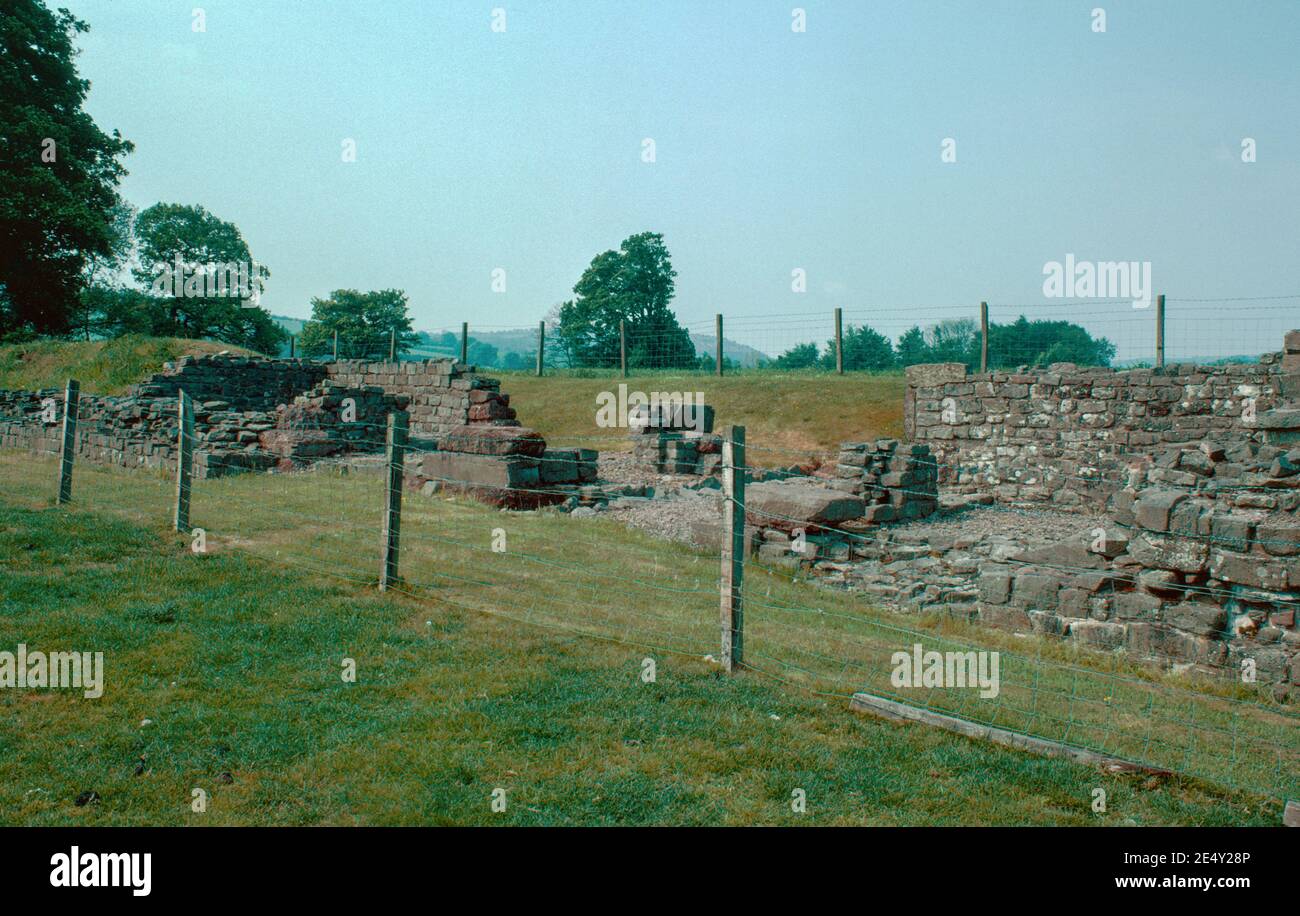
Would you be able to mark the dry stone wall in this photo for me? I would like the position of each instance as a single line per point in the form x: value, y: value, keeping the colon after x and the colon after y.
x: 1068, y: 434
x: 440, y: 393
x: 254, y: 414
x: 675, y: 438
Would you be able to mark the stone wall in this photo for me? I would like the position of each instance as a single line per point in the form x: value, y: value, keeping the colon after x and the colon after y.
x: 675, y: 439
x: 441, y: 393
x: 252, y: 413
x: 1200, y: 566
x: 248, y: 382
x: 1067, y: 434
x: 898, y: 482
x: 130, y: 431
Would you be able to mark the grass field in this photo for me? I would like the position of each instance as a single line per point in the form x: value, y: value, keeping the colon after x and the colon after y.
x: 521, y: 671
x: 791, y: 415
x: 105, y: 367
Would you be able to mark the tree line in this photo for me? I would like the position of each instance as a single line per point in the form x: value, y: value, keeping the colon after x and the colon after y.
x: 1018, y: 343
x: 76, y: 260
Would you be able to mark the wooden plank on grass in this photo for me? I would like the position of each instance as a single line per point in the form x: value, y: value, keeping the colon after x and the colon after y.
x: 901, y: 712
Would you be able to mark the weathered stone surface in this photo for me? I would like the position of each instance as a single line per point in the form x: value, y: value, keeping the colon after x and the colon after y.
x: 1200, y: 618
x: 792, y: 504
x: 1097, y: 633
x: 995, y: 584
x: 1154, y: 508
x: 932, y: 374
x: 481, y: 470
x: 492, y: 440
x: 1036, y: 590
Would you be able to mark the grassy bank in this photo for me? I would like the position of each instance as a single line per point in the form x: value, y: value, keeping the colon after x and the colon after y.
x: 105, y: 367
x: 522, y: 671
x: 796, y: 414
x: 788, y: 415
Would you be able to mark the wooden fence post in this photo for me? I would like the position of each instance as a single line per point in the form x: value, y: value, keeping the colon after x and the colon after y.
x: 839, y: 341
x: 1160, y: 331
x: 718, y: 328
x: 541, y: 347
x: 984, y: 337
x: 464, y: 342
x: 622, y: 346
x: 733, y: 548
x: 71, y: 397
x: 392, y: 345
x: 396, y: 454
x: 184, y: 460
x: 336, y: 346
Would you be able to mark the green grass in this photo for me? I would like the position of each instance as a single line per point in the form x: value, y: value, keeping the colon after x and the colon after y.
x: 794, y: 415
x: 104, y: 367
x: 519, y: 671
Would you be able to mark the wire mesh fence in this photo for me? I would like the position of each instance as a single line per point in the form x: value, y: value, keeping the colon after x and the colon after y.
x: 1121, y: 333
x: 597, y: 579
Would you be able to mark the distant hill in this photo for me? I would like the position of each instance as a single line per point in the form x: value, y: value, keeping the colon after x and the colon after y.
x: 744, y: 355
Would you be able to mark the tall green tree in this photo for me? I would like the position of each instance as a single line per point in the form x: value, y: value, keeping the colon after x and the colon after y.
x: 363, y: 322
x: 912, y: 348
x: 201, y: 278
x: 103, y: 295
x: 1042, y: 342
x: 58, y: 171
x: 634, y: 285
x: 800, y: 356
x: 953, y: 340
x: 864, y: 349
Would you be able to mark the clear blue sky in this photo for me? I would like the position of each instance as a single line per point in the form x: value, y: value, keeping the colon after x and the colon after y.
x: 775, y: 150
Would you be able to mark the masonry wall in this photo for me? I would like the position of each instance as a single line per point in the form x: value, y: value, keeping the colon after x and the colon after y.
x: 440, y: 392
x: 131, y: 431
x: 1066, y: 434
x: 252, y: 413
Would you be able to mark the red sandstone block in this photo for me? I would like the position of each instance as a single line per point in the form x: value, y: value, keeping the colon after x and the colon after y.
x: 493, y: 440
x: 491, y: 410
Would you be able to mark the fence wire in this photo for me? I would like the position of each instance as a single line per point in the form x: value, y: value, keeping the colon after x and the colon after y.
x: 593, y: 579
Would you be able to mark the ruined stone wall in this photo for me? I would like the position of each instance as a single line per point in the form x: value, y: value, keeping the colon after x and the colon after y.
x: 245, y: 382
x: 898, y: 482
x: 1067, y: 434
x: 675, y: 439
x: 441, y: 393
x: 252, y: 413
x: 1200, y: 567
x: 130, y: 431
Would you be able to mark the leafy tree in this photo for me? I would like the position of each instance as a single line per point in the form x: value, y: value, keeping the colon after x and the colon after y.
x: 1020, y: 343
x: 516, y: 360
x: 202, y: 279
x: 1042, y: 342
x: 102, y: 277
x: 800, y: 356
x: 481, y: 353
x: 634, y: 285
x: 954, y: 340
x: 363, y: 322
x: 912, y: 348
x: 864, y: 348
x: 58, y: 171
